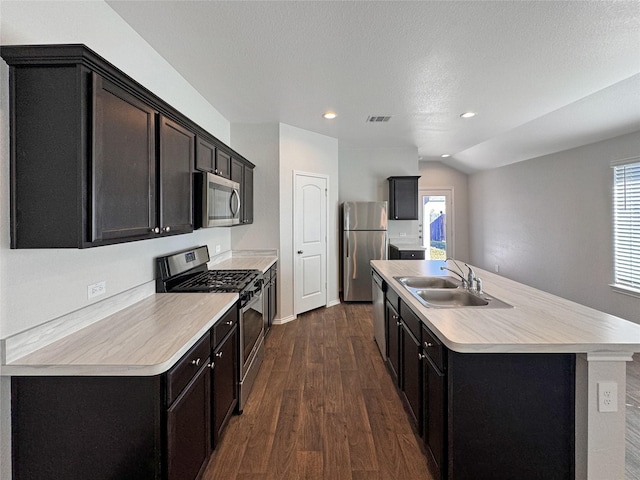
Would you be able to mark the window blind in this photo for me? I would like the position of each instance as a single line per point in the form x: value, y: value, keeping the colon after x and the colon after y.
x: 626, y: 224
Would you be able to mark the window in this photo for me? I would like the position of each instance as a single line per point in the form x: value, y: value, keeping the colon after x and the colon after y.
x: 626, y: 224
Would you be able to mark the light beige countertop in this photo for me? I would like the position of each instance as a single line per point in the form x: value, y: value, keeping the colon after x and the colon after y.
x: 244, y: 260
x: 145, y: 339
x: 407, y: 246
x: 539, y: 322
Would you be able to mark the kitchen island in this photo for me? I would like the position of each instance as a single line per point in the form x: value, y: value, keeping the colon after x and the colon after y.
x: 543, y: 326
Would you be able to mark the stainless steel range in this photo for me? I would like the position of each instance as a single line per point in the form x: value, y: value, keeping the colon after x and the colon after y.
x: 187, y: 271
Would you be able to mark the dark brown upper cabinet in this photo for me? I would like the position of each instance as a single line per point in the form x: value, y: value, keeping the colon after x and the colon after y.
x: 123, y: 171
x: 242, y: 172
x: 96, y: 158
x: 223, y: 164
x: 205, y: 155
x: 403, y: 198
x: 212, y: 159
x: 177, y: 146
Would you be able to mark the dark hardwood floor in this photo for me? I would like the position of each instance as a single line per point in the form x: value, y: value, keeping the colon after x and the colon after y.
x: 324, y: 407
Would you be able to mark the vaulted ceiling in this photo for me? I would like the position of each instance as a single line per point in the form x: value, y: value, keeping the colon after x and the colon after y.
x: 542, y: 76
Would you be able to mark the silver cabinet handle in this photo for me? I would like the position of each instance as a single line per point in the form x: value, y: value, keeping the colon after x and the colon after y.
x: 196, y: 362
x: 428, y: 344
x: 211, y: 365
x: 399, y: 324
x: 166, y: 229
x: 219, y: 354
x: 154, y: 230
x: 230, y: 322
x: 421, y: 356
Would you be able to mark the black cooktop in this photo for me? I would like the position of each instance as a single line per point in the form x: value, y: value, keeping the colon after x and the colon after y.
x: 218, y: 281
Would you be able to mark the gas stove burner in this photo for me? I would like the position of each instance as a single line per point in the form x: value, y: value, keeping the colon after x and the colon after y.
x: 219, y: 281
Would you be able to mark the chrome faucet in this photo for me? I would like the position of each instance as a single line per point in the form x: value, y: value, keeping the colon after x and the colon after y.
x: 471, y: 276
x: 460, y: 275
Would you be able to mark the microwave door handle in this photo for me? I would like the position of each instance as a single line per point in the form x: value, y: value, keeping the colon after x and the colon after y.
x: 235, y: 192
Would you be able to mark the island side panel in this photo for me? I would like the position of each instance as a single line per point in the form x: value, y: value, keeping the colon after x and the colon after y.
x: 511, y: 416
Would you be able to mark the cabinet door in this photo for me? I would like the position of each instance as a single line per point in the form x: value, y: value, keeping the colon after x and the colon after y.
x: 188, y: 429
x: 247, y: 187
x: 393, y: 342
x: 223, y: 164
x: 124, y: 164
x: 403, y: 198
x: 237, y: 175
x: 205, y: 156
x: 411, y: 373
x: 225, y: 382
x: 434, y: 419
x: 176, y: 158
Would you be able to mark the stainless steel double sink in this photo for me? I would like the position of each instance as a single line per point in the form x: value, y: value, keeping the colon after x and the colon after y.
x: 447, y: 292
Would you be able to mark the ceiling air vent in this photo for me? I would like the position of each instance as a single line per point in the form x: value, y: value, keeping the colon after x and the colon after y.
x: 378, y: 118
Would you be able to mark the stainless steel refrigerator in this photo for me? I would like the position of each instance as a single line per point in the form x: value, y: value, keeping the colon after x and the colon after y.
x: 364, y: 238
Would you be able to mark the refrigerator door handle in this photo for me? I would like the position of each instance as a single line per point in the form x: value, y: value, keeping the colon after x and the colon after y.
x: 346, y: 243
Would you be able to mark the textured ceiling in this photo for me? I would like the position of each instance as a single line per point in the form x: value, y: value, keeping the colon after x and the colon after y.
x: 543, y: 76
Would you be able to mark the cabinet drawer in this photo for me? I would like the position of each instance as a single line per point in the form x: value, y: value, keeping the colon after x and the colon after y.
x: 433, y: 348
x: 224, y: 325
x: 393, y: 299
x: 411, y: 320
x: 184, y: 370
x: 412, y: 255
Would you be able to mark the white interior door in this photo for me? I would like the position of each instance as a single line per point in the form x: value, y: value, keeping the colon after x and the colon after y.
x: 309, y: 241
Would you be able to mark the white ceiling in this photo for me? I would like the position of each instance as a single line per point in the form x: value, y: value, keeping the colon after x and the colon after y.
x: 544, y: 76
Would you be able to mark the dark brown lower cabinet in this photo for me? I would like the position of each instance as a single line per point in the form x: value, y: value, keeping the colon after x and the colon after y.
x: 225, y: 383
x: 393, y: 341
x: 434, y: 405
x: 188, y: 420
x: 411, y: 373
x: 160, y: 427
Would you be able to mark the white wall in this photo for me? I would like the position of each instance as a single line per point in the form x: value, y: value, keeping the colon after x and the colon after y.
x: 546, y: 222
x: 260, y: 143
x: 437, y: 175
x: 305, y: 151
x: 39, y: 285
x: 363, y: 178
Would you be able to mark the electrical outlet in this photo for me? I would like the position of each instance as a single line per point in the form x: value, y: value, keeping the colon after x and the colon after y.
x: 497, y: 268
x: 403, y: 234
x: 607, y: 397
x: 97, y: 289
x: 218, y: 248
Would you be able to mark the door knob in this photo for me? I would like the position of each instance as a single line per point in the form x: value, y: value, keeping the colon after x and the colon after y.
x: 300, y: 252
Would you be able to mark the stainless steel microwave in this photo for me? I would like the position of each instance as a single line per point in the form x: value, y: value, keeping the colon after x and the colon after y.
x: 219, y: 201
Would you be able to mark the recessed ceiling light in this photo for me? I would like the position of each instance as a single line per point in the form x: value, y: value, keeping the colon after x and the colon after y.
x: 468, y: 114
x: 329, y: 115
x: 445, y: 155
